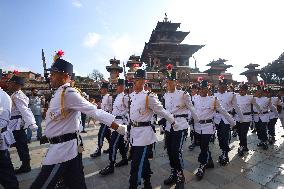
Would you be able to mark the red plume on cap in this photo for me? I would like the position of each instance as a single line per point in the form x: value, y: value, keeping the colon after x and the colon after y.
x: 169, y: 67
x: 199, y: 79
x: 15, y: 72
x: 243, y: 82
x: 261, y: 83
x: 60, y: 53
x: 221, y: 77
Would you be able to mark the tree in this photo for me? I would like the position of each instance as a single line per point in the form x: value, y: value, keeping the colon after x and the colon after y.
x: 96, y: 75
x: 274, y: 72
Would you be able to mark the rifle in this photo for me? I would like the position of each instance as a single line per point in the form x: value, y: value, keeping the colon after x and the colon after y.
x: 130, y: 122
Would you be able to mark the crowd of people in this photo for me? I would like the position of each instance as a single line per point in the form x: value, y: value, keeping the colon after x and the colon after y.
x: 128, y: 121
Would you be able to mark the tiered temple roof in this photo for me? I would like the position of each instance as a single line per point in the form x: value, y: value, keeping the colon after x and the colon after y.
x: 217, y: 67
x: 164, y: 44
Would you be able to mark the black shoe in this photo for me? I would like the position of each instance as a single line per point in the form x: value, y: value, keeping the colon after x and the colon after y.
x: 210, y: 164
x: 260, y: 144
x: 23, y: 169
x: 200, y: 171
x: 29, y: 141
x: 265, y: 146
x: 224, y: 159
x: 96, y: 154
x: 172, y: 178
x: 147, y: 184
x: 83, y: 131
x: 191, y: 147
x: 234, y: 134
x: 106, y: 151
x: 108, y: 170
x: 123, y: 162
x: 245, y: 149
x: 180, y: 181
x: 241, y: 151
x: 212, y: 139
x: 271, y: 139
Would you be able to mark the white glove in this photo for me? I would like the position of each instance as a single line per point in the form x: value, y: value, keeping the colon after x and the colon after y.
x: 33, y: 127
x: 122, y: 129
x: 233, y: 124
x: 174, y: 125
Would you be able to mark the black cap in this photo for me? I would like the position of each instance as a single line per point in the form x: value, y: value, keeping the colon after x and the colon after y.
x: 120, y: 82
x: 105, y: 85
x: 171, y: 75
x: 17, y: 79
x: 223, y: 82
x: 63, y: 66
x: 130, y: 84
x: 150, y: 85
x: 260, y: 87
x: 244, y: 87
x: 194, y: 86
x: 140, y: 74
x: 73, y: 77
x: 204, y: 84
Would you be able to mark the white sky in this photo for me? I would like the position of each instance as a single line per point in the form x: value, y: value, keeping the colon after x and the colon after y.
x: 243, y: 31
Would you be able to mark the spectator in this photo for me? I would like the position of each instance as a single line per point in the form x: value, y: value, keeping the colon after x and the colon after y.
x: 35, y: 105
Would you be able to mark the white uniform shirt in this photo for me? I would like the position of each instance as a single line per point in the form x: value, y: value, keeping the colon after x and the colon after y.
x: 244, y: 103
x: 205, y: 109
x: 265, y: 106
x: 20, y: 106
x: 57, y: 125
x: 276, y: 102
x: 228, y: 101
x: 178, y: 103
x: 120, y: 107
x: 6, y: 138
x: 106, y: 104
x: 142, y: 136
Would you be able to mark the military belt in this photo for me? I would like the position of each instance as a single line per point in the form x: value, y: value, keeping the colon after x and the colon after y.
x: 181, y: 115
x: 15, y: 117
x: 62, y: 138
x: 247, y: 113
x: 118, y: 117
x: 141, y: 124
x: 230, y: 112
x: 205, y: 121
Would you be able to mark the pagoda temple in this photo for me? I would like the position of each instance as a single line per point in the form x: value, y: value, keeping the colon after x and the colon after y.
x: 165, y: 46
x: 217, y: 70
x: 252, y: 73
x: 114, y: 69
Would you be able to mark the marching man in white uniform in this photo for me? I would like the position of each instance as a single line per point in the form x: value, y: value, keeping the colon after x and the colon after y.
x: 261, y: 118
x: 104, y: 131
x: 64, y: 159
x: 245, y: 102
x: 21, y: 119
x: 206, y: 106
x: 228, y: 101
x: 143, y: 106
x: 120, y: 109
x: 7, y: 175
x: 178, y: 103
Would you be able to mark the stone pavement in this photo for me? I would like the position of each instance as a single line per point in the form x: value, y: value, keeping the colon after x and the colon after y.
x: 257, y: 170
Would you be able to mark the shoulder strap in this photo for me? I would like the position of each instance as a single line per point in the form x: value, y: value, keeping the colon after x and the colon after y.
x: 147, y: 102
x: 63, y: 113
x: 215, y: 104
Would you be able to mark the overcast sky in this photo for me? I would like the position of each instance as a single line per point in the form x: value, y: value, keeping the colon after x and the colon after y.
x: 93, y: 31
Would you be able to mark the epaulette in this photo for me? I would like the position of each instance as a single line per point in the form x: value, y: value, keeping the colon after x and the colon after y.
x: 151, y: 94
